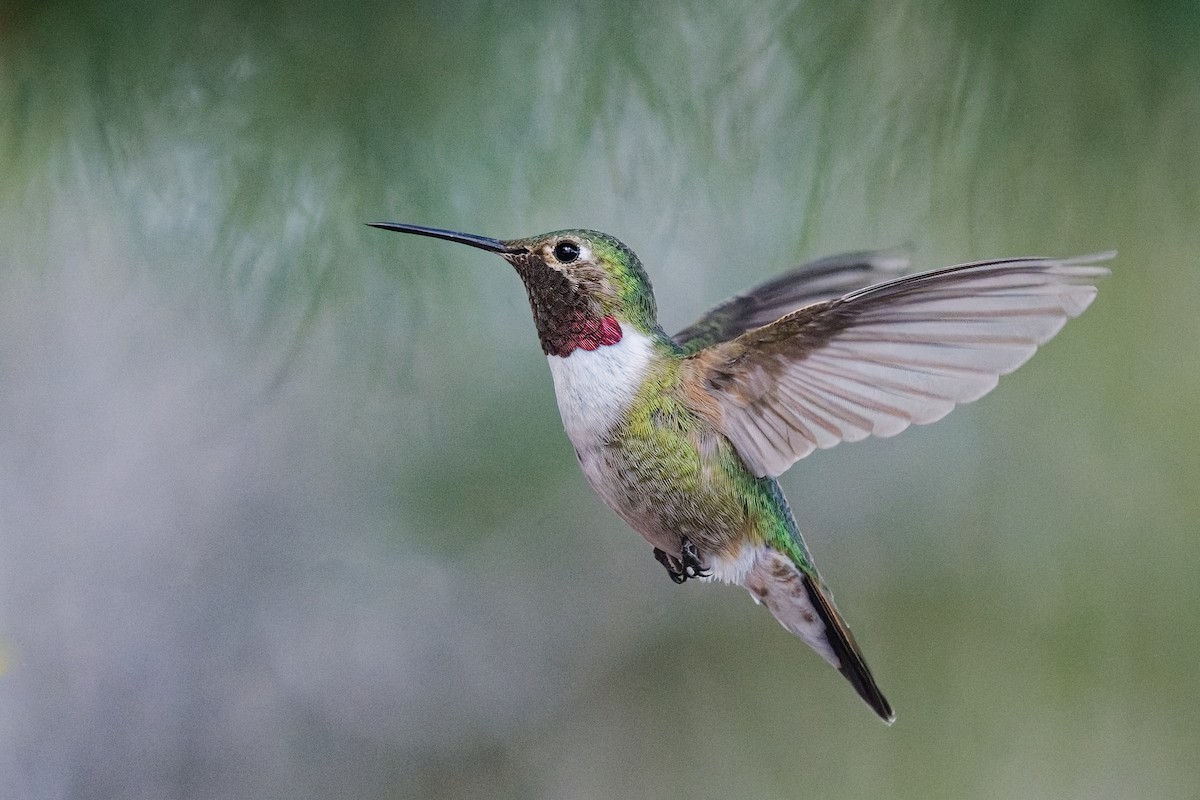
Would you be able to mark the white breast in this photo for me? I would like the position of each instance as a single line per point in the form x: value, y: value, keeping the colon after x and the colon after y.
x: 595, y: 387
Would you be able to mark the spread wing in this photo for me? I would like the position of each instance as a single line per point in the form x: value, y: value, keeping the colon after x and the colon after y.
x: 813, y: 282
x: 880, y: 359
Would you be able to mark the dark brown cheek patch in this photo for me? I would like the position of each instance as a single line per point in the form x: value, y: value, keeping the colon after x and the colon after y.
x: 565, y: 318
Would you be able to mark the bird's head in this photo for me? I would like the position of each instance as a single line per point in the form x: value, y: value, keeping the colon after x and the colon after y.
x: 583, y: 286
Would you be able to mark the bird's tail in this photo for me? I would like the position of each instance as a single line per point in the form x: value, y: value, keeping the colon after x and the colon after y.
x: 804, y: 606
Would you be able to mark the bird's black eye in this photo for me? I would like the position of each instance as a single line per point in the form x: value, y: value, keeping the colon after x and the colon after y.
x: 566, y: 251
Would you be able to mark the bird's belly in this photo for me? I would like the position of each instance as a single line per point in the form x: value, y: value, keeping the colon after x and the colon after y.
x: 661, y: 468
x: 611, y: 480
x: 666, y: 494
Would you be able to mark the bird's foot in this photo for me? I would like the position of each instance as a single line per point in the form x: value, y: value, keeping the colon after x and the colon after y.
x: 693, y: 567
x: 674, y: 567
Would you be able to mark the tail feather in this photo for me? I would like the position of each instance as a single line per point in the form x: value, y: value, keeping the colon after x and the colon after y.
x: 802, y: 605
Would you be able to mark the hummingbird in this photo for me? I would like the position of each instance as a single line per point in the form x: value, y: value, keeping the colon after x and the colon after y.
x: 684, y: 436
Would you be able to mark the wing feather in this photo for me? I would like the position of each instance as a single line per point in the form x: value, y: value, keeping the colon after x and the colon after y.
x: 813, y: 282
x: 879, y: 359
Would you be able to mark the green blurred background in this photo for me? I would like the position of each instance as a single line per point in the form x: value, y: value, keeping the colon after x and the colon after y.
x: 285, y: 505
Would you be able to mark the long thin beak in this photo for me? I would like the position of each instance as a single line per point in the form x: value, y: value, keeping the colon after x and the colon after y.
x: 482, y: 242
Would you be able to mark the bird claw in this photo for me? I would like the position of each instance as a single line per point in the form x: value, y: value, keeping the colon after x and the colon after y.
x: 693, y: 567
x: 674, y: 568
x: 688, y: 565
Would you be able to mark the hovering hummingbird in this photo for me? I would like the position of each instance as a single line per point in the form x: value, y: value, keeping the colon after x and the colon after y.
x: 683, y: 436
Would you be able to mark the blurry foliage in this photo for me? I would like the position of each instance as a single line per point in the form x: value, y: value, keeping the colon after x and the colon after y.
x: 285, y: 507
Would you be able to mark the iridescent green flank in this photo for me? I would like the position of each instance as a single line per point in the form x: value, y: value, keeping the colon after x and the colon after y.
x: 680, y: 472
